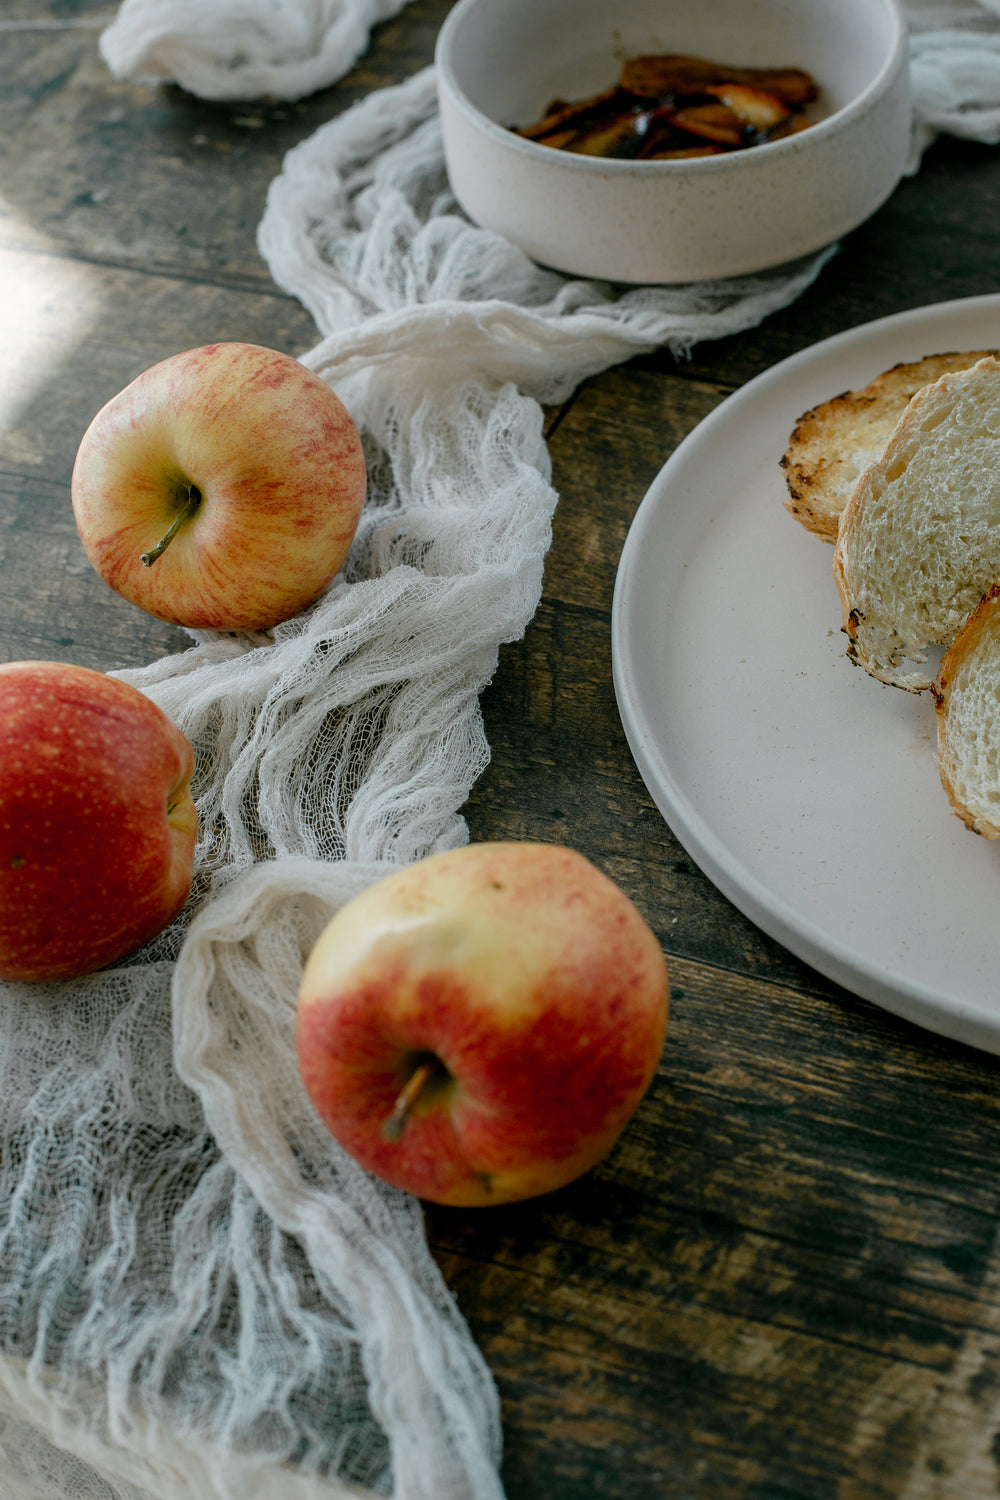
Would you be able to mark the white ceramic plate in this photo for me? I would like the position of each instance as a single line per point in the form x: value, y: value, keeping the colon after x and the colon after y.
x: 804, y: 789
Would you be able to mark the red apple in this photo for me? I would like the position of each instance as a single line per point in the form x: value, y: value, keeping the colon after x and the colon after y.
x: 480, y: 1027
x: 221, y: 489
x: 97, y: 825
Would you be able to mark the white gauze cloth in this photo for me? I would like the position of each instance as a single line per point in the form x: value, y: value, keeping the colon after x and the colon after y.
x: 200, y: 1294
x: 954, y: 71
x: 241, y: 49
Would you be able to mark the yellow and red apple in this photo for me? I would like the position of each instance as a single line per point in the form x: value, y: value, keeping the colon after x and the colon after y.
x: 480, y: 1026
x: 97, y: 822
x: 222, y: 489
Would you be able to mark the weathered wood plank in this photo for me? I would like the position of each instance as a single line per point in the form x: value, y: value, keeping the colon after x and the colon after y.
x: 773, y: 1276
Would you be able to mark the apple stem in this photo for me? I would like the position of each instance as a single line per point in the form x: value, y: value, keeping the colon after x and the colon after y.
x: 187, y: 510
x: 408, y: 1096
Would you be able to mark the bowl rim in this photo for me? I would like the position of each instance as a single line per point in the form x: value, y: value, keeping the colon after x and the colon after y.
x: 896, y: 59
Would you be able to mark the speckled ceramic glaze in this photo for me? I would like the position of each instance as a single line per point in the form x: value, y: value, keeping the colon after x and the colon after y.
x: 500, y: 62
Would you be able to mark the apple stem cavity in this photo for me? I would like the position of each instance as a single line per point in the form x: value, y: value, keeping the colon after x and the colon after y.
x: 187, y: 510
x: 429, y: 1071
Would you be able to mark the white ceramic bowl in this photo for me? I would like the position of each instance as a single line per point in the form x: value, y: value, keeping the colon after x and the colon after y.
x: 500, y: 62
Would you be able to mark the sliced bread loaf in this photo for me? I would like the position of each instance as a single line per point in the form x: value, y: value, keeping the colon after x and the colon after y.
x: 967, y: 697
x: 919, y: 540
x: 833, y: 443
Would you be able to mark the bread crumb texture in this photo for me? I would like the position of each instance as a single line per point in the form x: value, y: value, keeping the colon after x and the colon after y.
x: 919, y: 539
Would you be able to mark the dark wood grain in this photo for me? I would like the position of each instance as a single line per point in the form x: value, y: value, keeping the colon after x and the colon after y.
x: 784, y: 1283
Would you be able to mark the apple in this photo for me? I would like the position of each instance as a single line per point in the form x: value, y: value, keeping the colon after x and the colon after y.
x: 480, y: 1026
x: 222, y: 489
x: 97, y: 823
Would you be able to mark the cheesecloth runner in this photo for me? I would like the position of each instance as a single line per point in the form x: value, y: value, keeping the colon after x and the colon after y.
x: 200, y: 1294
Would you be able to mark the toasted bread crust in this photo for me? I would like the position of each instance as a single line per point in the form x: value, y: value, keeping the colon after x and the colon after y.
x: 834, y: 442
x: 968, y: 718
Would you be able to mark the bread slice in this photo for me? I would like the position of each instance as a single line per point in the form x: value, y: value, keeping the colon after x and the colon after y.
x: 919, y: 540
x: 967, y: 697
x: 833, y: 443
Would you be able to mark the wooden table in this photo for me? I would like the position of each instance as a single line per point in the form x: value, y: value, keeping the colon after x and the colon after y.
x: 784, y: 1284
